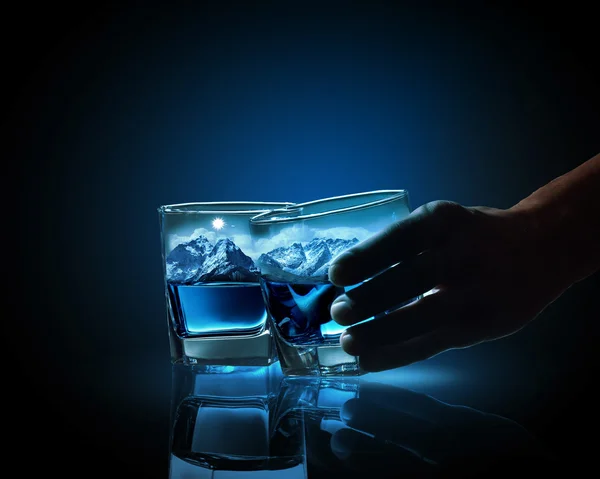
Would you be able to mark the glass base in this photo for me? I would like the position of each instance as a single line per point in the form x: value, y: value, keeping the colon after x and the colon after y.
x: 223, y: 352
x: 323, y: 360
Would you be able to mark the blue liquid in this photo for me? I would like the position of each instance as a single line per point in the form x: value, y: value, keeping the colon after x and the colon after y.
x: 226, y: 309
x: 300, y: 311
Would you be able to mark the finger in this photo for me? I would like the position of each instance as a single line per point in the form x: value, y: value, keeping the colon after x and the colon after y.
x: 387, y: 423
x: 377, y: 397
x: 364, y: 454
x: 411, y: 351
x: 416, y: 404
x: 389, y: 290
x: 425, y: 315
x: 423, y: 229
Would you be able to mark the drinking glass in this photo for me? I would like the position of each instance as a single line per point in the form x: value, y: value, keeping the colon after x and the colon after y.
x: 215, y: 310
x: 296, y: 246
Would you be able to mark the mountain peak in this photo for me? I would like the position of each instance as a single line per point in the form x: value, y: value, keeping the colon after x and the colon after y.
x: 297, y: 262
x: 198, y: 261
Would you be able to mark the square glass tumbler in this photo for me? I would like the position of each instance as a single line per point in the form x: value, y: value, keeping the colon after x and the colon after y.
x: 295, y: 247
x: 215, y: 310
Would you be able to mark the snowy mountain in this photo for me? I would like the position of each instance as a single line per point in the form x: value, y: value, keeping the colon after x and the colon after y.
x: 303, y: 261
x: 199, y: 261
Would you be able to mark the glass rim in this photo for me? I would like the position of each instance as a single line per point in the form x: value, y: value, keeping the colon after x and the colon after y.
x: 219, y: 207
x: 270, y: 217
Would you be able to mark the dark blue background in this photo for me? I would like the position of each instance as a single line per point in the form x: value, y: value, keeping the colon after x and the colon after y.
x: 115, y: 110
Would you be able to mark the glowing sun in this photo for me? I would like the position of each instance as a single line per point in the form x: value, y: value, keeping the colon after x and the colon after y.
x: 218, y: 223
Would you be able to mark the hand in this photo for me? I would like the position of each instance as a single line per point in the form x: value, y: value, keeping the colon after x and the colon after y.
x: 404, y: 431
x: 486, y: 269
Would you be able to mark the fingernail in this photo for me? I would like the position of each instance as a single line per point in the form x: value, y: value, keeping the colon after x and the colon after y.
x: 348, y: 410
x: 341, y: 298
x: 341, y: 257
x: 343, y: 443
x: 334, y: 267
x: 333, y: 272
x: 341, y: 311
x: 347, y: 342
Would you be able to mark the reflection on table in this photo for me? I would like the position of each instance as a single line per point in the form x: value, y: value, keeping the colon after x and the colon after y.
x: 253, y: 422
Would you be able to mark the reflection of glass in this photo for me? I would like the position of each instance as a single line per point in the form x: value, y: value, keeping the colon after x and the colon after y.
x: 226, y: 425
x: 216, y: 312
x: 295, y: 247
x: 315, y: 404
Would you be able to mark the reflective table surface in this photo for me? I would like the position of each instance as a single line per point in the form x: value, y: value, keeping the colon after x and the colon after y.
x: 252, y: 422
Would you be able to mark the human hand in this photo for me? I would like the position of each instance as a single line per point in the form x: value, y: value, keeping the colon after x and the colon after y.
x: 408, y: 432
x: 487, y: 270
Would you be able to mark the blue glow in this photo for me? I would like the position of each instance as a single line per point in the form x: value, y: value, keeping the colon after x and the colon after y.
x: 421, y: 376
